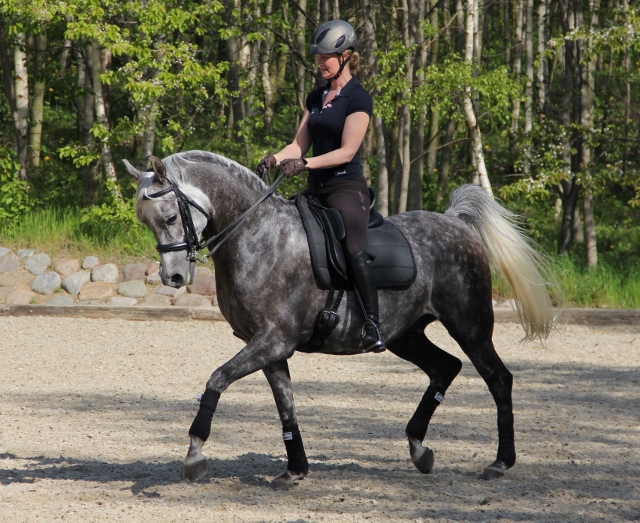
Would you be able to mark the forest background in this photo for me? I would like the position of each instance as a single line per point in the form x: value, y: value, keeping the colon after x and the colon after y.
x: 535, y: 100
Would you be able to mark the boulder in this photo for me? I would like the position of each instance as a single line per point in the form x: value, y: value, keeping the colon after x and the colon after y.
x: 9, y: 263
x: 95, y: 291
x: 108, y: 273
x: 66, y: 267
x: 122, y: 301
x: 204, y: 284
x: 62, y: 299
x: 133, y: 289
x: 90, y: 262
x: 156, y: 300
x: 14, y: 278
x: 165, y: 290
x: 74, y: 282
x: 20, y: 297
x: 46, y: 283
x: 135, y: 271
x: 23, y: 254
x: 38, y: 263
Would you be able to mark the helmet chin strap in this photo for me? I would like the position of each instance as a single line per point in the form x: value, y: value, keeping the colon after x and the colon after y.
x: 339, y: 73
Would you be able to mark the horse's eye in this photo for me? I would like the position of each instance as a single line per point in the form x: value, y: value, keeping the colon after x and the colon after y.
x: 172, y: 219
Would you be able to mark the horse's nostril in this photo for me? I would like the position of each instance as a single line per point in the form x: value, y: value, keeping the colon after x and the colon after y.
x: 177, y: 280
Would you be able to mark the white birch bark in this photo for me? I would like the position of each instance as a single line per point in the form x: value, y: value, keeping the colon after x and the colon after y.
x: 37, y: 105
x: 21, y: 114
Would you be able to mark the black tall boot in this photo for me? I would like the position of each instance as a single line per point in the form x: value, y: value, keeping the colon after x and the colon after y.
x: 364, y: 281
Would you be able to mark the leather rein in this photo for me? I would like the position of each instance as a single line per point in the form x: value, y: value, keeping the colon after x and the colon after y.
x: 191, y: 243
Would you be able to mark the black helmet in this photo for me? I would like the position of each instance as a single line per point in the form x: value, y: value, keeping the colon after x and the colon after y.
x: 335, y: 36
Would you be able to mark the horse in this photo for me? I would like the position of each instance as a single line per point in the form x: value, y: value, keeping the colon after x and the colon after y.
x: 268, y: 293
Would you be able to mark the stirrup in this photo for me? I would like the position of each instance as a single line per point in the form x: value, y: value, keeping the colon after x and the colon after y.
x: 376, y: 345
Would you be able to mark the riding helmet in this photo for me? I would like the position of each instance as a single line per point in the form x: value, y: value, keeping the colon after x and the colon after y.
x: 335, y: 36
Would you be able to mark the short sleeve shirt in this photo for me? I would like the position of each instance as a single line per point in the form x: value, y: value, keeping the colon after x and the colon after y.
x: 325, y: 127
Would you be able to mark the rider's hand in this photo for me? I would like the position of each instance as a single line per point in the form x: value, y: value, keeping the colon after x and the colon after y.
x: 268, y: 162
x: 292, y: 166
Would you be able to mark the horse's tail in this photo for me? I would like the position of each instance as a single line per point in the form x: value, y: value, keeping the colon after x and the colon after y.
x: 511, y: 254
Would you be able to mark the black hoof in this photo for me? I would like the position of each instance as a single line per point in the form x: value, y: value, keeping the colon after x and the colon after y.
x: 425, y: 463
x: 195, y: 471
x: 494, y: 471
x: 286, y: 481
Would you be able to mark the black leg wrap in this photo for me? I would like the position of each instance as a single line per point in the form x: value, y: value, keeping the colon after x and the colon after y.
x: 419, y: 422
x: 201, y: 426
x: 506, y: 439
x: 296, y: 456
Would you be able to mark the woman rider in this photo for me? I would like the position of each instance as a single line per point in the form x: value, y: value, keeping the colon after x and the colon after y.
x: 334, y: 123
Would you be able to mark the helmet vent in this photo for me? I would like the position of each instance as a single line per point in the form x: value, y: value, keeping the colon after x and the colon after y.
x: 340, y: 41
x: 321, y: 36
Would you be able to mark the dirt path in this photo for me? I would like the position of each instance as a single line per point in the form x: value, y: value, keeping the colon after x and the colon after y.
x: 94, y: 416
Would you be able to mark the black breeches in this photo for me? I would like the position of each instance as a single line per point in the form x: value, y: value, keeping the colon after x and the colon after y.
x: 351, y: 198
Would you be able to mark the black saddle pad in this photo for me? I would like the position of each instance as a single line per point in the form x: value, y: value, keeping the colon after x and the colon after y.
x: 393, y: 263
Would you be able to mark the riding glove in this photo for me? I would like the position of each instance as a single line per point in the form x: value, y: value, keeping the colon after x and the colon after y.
x: 292, y: 166
x: 268, y: 162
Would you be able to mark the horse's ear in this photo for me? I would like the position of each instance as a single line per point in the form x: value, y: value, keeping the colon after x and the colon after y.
x: 158, y: 168
x: 132, y: 170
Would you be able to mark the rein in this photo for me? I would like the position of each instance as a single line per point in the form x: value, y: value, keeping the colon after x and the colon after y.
x: 191, y: 243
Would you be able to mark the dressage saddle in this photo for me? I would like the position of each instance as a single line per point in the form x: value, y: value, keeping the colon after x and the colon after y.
x: 391, y: 256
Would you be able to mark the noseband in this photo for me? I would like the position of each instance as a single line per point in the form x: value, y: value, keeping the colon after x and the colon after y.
x: 191, y: 243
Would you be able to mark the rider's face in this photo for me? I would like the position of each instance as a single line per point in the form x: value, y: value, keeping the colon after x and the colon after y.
x: 329, y: 64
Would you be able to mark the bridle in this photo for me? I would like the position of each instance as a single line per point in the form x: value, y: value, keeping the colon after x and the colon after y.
x: 191, y: 243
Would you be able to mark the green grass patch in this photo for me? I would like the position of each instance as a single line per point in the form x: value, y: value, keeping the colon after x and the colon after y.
x: 60, y: 232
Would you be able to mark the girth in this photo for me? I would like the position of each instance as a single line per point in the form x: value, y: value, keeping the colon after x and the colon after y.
x: 392, y: 262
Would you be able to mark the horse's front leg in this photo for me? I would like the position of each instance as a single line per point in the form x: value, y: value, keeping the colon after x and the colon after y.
x: 261, y: 351
x: 297, y: 465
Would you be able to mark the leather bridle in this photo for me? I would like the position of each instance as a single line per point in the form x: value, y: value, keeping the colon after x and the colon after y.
x: 191, y: 243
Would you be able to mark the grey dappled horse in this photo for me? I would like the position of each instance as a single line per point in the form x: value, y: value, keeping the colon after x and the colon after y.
x: 267, y: 291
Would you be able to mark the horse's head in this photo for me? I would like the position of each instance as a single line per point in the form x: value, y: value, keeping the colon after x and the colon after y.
x: 176, y: 214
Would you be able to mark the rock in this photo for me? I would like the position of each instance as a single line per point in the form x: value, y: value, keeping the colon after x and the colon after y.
x: 108, y: 273
x: 153, y: 267
x: 133, y: 289
x: 95, y: 291
x: 14, y: 278
x: 63, y: 299
x: 4, y: 251
x: 204, y: 284
x: 156, y: 300
x: 8, y: 263
x: 135, y: 271
x: 66, y: 267
x: 203, y: 271
x: 122, y: 301
x: 191, y: 300
x: 38, y: 263
x: 23, y: 254
x: 164, y: 290
x: 46, y: 283
x: 74, y: 282
x: 154, y: 278
x: 90, y: 262
x: 20, y: 297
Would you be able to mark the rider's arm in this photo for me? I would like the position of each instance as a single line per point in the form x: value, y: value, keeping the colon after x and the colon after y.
x: 301, y: 142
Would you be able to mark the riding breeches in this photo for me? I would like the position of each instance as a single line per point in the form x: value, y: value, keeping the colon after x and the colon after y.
x: 351, y: 199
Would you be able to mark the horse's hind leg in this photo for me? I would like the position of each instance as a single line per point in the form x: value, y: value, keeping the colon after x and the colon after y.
x: 476, y: 343
x: 442, y: 368
x: 297, y: 465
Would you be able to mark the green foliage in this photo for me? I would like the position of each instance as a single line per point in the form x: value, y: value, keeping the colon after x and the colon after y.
x: 15, y: 201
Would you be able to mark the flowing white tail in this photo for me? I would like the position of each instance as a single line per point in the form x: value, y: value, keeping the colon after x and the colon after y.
x: 511, y: 255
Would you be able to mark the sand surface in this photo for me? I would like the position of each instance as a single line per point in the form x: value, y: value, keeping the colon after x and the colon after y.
x: 94, y: 417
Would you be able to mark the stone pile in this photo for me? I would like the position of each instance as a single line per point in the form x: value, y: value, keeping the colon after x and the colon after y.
x: 28, y: 277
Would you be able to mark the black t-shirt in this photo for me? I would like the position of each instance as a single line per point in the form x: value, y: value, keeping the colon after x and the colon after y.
x: 325, y: 127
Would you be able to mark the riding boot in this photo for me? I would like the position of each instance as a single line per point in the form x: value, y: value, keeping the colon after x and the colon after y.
x: 363, y: 280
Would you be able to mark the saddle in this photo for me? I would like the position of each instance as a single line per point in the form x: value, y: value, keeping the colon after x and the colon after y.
x: 393, y: 263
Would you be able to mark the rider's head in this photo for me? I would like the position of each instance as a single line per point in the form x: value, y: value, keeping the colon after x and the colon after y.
x: 335, y: 38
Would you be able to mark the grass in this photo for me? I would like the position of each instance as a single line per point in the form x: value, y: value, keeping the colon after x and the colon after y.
x: 60, y: 233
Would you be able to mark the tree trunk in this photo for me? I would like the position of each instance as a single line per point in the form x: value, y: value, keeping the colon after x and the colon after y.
x: 37, y: 105
x: 469, y: 111
x: 101, y: 59
x: 445, y: 161
x: 21, y: 113
x: 433, y: 142
x: 369, y: 48
x: 528, y: 86
x: 267, y: 84
x: 516, y: 70
x: 542, y: 73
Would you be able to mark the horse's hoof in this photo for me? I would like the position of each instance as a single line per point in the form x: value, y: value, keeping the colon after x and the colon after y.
x: 286, y: 481
x: 195, y: 471
x: 425, y: 462
x: 494, y: 471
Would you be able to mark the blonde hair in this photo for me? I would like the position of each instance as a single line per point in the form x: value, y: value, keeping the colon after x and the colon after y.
x: 354, y: 60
